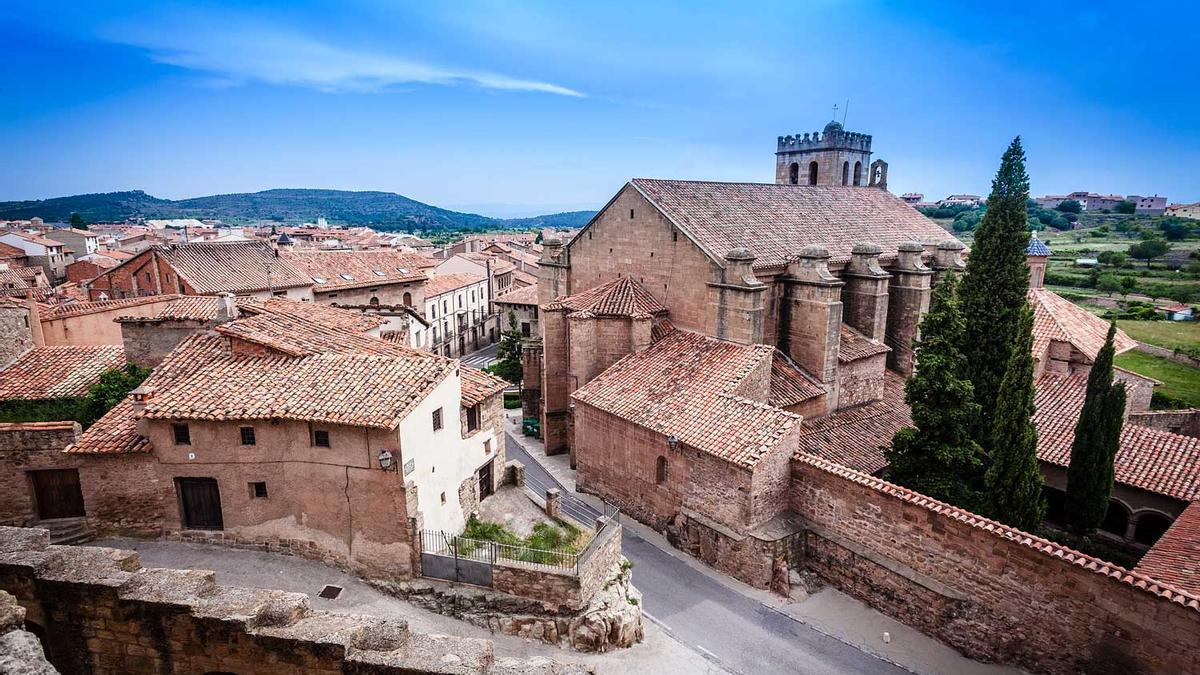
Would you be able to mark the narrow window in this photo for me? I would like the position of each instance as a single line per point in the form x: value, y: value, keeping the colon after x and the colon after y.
x: 674, y: 235
x: 258, y: 490
x: 247, y: 434
x: 794, y: 174
x: 524, y: 329
x: 845, y: 173
x: 443, y: 497
x: 321, y: 438
x: 183, y: 435
x: 812, y: 173
x: 473, y: 418
x: 662, y: 471
x: 437, y: 419
x: 631, y: 214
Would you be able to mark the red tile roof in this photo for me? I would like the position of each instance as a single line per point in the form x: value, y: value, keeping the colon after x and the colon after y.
x: 856, y: 437
x: 64, y: 371
x: 69, y: 309
x: 234, y: 267
x: 789, y: 384
x: 854, y: 346
x: 1175, y: 557
x: 1151, y: 459
x: 684, y: 385
x: 619, y: 297
x: 10, y: 251
x: 525, y: 295
x: 776, y: 221
x: 1058, y: 319
x: 991, y: 528
x: 329, y: 269
x: 445, y: 283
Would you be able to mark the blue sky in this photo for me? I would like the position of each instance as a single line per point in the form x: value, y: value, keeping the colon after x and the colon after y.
x: 512, y: 108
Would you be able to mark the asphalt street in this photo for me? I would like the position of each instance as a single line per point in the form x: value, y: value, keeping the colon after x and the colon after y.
x: 733, y: 630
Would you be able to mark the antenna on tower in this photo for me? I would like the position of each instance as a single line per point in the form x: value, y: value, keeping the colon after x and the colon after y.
x: 845, y: 111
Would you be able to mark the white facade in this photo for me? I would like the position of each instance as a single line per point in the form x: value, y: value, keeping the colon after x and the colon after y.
x: 439, y: 461
x: 453, y: 314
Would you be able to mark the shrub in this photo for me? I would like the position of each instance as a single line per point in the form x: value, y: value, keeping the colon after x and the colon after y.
x: 512, y: 401
x: 1162, y: 401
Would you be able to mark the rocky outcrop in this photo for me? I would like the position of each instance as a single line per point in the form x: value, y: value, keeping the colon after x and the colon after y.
x: 20, y: 651
x: 612, y: 619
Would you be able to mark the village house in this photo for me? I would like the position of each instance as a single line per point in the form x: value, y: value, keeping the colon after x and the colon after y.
x: 78, y: 242
x: 459, y: 313
x: 39, y: 251
x: 258, y: 407
x: 523, y: 304
x: 1184, y: 211
x: 381, y: 277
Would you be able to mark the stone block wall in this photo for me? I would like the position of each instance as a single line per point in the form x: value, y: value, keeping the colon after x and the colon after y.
x: 25, y: 447
x: 16, y: 333
x: 993, y: 593
x: 861, y: 381
x: 1186, y: 422
x: 102, y: 613
x: 148, y: 343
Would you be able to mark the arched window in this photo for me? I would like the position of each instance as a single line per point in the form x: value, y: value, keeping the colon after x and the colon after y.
x: 794, y: 174
x: 812, y: 173
x: 662, y: 471
x: 408, y: 299
x: 1150, y: 526
x: 374, y: 301
x: 858, y: 173
x: 1116, y: 520
x: 845, y: 173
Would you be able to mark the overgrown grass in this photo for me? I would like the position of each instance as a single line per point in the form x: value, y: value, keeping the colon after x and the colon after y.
x: 1179, y: 382
x: 1182, y: 336
x: 549, y: 540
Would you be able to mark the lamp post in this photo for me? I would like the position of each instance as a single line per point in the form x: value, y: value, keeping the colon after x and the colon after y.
x: 673, y: 442
x: 386, y: 461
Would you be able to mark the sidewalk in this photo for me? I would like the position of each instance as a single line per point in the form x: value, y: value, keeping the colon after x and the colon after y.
x: 828, y: 611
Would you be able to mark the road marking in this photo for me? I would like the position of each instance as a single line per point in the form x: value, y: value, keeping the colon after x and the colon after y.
x: 708, y: 653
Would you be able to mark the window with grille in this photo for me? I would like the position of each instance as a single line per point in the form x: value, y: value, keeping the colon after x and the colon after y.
x: 183, y: 435
x: 247, y: 435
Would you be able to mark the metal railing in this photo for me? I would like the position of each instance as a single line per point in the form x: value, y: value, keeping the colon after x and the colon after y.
x: 492, y: 552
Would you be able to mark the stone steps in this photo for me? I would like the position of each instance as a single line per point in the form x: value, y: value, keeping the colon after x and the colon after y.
x: 65, y: 531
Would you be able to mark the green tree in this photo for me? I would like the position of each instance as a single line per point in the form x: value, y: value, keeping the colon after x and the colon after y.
x: 78, y: 222
x: 1108, y: 283
x: 937, y: 456
x: 1126, y: 207
x: 508, y: 356
x: 1183, y: 294
x: 1114, y: 258
x: 1128, y: 284
x: 1174, y: 229
x: 1156, y: 291
x: 538, y: 238
x: 112, y: 388
x: 1149, y: 249
x: 1013, y: 483
x: 996, y: 284
x: 1097, y: 438
x: 1069, y: 206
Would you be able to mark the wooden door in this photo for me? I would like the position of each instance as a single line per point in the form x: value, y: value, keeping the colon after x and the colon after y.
x: 57, y: 493
x: 485, y: 481
x: 200, y: 503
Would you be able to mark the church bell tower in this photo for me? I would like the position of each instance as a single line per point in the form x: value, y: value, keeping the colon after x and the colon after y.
x: 833, y: 157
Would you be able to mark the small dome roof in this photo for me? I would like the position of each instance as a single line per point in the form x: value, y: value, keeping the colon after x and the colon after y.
x: 739, y: 253
x: 284, y: 239
x: 833, y: 125
x: 1037, y: 247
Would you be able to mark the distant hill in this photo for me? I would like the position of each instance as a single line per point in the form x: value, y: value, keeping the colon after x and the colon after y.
x: 382, y: 210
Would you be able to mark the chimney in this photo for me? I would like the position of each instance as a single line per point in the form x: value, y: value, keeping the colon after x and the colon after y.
x: 35, y: 320
x: 865, y: 295
x: 811, y: 318
x: 141, y: 396
x: 908, y: 300
x: 948, y: 258
x: 226, y: 307
x: 740, y: 297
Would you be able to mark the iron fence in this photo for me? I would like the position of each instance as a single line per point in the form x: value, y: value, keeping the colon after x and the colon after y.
x: 437, y: 542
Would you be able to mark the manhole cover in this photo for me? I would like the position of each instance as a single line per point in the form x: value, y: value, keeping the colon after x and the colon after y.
x: 330, y: 592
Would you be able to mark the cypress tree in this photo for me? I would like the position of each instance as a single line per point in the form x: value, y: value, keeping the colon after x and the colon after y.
x: 996, y: 285
x: 1097, y: 438
x: 937, y: 456
x: 1013, y: 482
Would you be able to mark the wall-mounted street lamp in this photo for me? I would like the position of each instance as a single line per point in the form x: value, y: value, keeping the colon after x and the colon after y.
x: 673, y: 442
x: 386, y: 461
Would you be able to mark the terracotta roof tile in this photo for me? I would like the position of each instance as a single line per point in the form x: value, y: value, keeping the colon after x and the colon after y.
x: 1151, y: 459
x: 1057, y: 319
x: 789, y: 384
x: 856, y: 437
x: 69, y: 309
x: 684, y: 385
x: 991, y: 528
x: 329, y: 270
x: 445, y: 283
x: 620, y: 297
x: 64, y: 371
x: 478, y: 386
x: 854, y: 346
x: 235, y: 267
x: 525, y: 295
x: 1175, y: 557
x: 776, y: 221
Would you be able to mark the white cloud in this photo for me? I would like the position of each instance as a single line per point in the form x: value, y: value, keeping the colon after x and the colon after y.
x: 245, y: 54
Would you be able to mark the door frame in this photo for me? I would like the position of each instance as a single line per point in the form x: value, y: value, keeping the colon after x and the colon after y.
x: 40, y: 502
x: 184, y: 520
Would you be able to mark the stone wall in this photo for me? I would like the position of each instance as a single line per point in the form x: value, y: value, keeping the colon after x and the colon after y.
x: 102, y: 613
x: 16, y: 335
x: 861, y: 381
x: 1186, y: 422
x: 993, y: 593
x: 755, y: 558
x: 148, y: 343
x: 111, y: 507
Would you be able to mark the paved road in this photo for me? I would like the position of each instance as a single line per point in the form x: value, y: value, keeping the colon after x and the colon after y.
x: 482, y: 358
x: 736, y: 631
